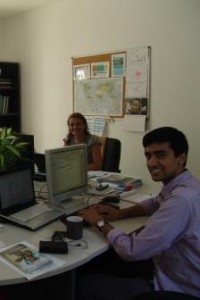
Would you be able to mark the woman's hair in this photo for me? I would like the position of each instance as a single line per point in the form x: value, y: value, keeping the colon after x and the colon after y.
x: 79, y: 116
x: 176, y: 139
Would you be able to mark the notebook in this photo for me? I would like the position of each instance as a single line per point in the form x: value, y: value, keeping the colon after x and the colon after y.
x: 17, y: 197
x: 40, y: 173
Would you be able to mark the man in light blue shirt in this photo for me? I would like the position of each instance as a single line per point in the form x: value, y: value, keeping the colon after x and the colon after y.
x: 172, y: 235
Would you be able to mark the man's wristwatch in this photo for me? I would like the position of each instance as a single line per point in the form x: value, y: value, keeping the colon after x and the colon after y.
x: 100, y: 224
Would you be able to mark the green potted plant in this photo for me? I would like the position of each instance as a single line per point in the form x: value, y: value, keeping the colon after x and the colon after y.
x: 11, y: 149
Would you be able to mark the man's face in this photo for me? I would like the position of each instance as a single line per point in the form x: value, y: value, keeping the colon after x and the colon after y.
x: 162, y: 163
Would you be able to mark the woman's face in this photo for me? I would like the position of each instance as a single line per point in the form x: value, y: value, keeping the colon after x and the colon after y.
x: 76, y: 126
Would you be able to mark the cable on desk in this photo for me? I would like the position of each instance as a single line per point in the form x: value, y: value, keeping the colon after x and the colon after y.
x: 81, y: 244
x: 89, y: 197
x: 40, y: 192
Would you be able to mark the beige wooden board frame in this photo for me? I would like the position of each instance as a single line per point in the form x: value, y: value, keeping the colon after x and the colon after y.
x: 107, y: 57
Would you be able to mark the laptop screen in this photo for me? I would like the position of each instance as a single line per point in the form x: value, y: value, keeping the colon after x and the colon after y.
x: 16, y: 191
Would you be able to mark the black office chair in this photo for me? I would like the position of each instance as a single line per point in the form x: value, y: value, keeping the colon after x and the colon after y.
x: 111, y: 155
x: 165, y: 295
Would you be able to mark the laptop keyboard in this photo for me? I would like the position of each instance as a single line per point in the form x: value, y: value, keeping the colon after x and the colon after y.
x: 31, y: 212
x: 44, y: 218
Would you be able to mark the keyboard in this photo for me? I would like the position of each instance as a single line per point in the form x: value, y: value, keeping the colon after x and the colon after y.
x: 74, y: 205
x: 46, y: 217
x: 31, y: 212
x: 74, y: 209
x: 76, y: 213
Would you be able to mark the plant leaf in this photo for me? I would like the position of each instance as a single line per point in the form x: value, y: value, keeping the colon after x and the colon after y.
x: 2, y: 159
x: 13, y: 150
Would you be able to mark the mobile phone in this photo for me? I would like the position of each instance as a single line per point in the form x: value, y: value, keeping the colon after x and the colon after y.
x: 53, y: 247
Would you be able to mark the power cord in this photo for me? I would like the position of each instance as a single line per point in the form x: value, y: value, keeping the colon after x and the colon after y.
x: 41, y: 192
x: 60, y: 236
x: 81, y: 244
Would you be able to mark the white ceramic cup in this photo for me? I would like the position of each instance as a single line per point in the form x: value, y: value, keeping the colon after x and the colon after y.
x: 74, y: 227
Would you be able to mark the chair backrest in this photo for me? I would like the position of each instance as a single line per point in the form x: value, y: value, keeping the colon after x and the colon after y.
x: 111, y: 155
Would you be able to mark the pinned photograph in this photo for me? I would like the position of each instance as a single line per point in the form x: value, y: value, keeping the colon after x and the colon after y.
x: 136, y: 106
x: 100, y: 69
x: 81, y: 72
x: 118, y: 65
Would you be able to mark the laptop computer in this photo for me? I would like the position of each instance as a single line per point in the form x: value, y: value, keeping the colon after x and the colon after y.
x: 40, y: 172
x: 18, y: 204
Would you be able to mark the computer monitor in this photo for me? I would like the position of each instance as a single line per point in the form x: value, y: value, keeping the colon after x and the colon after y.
x: 66, y: 171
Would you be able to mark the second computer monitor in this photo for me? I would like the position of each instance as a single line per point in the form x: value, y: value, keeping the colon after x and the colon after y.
x: 66, y: 171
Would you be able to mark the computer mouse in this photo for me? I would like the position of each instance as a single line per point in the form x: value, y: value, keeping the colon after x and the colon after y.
x: 111, y: 199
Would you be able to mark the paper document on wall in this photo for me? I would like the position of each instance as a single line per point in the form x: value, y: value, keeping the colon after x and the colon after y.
x: 96, y: 125
x: 135, y: 123
x: 137, y: 73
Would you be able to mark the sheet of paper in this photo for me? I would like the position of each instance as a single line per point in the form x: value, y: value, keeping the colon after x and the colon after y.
x: 96, y: 125
x: 134, y: 198
x: 135, y: 123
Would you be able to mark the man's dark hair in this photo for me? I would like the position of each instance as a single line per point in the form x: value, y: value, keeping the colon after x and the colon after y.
x: 176, y: 139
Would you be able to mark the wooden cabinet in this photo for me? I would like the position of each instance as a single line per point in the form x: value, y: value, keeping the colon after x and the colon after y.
x: 10, y: 96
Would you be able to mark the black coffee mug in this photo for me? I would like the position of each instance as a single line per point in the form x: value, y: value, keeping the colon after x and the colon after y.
x: 74, y: 227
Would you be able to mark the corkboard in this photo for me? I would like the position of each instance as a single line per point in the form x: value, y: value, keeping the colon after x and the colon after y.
x: 90, y: 84
x: 101, y: 58
x: 94, y: 58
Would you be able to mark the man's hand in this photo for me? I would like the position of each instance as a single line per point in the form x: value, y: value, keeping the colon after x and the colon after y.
x: 108, y: 212
x: 91, y: 216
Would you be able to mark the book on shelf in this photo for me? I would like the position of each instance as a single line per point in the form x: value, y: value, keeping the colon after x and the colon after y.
x: 27, y: 260
x: 5, y: 107
x: 1, y: 104
x: 4, y: 104
x: 5, y: 82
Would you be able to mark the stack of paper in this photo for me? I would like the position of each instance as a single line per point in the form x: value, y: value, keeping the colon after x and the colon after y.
x: 122, y: 182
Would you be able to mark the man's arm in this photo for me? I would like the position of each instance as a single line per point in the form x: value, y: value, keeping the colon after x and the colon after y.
x: 134, y: 211
x: 102, y: 212
x: 110, y: 213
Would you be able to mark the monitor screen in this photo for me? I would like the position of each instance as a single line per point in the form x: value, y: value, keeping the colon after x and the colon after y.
x: 66, y: 171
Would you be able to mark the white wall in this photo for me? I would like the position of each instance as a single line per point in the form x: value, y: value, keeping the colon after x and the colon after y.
x: 44, y: 40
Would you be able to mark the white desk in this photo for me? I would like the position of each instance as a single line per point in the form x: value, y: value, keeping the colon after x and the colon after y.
x: 96, y: 244
x: 77, y: 256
